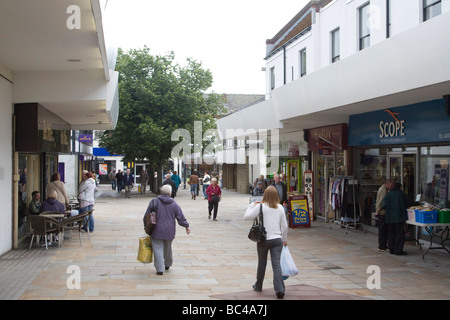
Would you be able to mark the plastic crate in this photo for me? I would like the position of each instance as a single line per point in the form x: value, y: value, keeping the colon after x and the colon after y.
x: 444, y: 216
x: 411, y: 215
x: 423, y: 216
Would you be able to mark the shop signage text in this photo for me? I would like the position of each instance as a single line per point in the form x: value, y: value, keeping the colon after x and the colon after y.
x: 392, y: 128
x: 425, y: 122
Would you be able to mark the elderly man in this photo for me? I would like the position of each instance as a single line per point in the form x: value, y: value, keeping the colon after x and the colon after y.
x: 281, y: 188
x: 381, y: 214
x: 167, y: 211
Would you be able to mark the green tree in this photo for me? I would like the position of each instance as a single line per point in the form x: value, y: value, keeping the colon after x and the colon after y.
x: 158, y: 96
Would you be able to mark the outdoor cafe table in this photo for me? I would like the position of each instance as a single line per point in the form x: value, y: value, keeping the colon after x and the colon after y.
x: 55, y: 216
x: 444, y: 234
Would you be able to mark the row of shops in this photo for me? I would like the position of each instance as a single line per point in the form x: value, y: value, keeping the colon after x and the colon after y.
x: 408, y: 143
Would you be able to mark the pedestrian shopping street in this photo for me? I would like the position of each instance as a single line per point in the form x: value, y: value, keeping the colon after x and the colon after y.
x: 216, y: 261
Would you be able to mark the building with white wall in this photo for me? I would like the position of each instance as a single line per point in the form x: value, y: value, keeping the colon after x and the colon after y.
x: 56, y: 75
x: 339, y: 59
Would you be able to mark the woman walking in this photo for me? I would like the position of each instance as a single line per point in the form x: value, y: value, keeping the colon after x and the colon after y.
x: 167, y: 211
x: 214, y: 194
x: 276, y: 228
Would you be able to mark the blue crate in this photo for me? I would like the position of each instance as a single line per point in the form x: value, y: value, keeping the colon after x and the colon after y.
x: 427, y: 216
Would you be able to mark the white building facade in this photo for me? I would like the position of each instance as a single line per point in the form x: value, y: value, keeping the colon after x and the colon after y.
x: 337, y: 65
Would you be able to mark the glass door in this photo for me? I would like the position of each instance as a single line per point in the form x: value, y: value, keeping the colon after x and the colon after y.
x: 324, y: 169
x: 403, y: 168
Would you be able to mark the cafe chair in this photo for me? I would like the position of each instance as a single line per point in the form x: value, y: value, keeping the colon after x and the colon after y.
x: 43, y: 226
x: 76, y: 223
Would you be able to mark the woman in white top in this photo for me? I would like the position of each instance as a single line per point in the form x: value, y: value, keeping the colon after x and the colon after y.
x: 276, y: 226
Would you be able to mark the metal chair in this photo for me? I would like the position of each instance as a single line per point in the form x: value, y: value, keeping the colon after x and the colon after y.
x: 43, y: 226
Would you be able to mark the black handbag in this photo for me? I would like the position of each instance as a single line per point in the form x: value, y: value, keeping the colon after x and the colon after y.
x: 257, y: 231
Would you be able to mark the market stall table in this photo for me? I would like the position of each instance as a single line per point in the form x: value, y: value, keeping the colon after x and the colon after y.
x: 444, y: 234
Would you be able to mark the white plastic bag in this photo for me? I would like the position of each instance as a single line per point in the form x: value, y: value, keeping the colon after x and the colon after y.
x: 288, y: 267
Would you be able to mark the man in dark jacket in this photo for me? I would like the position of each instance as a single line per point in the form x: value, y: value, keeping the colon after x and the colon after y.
x: 170, y: 182
x: 396, y: 203
x: 281, y: 188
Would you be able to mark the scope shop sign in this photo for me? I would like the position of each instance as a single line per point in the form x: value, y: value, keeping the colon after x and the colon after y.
x: 423, y: 122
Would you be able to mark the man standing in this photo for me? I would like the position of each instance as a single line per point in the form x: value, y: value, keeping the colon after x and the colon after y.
x: 381, y: 214
x: 281, y: 188
x: 128, y: 181
x: 396, y: 202
x: 112, y: 177
x: 144, y: 180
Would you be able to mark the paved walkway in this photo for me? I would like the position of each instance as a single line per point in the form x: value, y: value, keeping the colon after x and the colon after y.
x: 216, y: 261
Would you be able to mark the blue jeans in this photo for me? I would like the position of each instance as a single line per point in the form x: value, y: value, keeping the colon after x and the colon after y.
x: 91, y: 218
x: 194, y: 189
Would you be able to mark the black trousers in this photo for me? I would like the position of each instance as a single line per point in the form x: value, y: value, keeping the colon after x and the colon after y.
x: 396, y: 237
x: 382, y: 233
x: 213, y: 205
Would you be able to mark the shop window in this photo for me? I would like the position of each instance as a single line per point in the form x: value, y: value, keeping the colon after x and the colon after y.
x: 434, y: 175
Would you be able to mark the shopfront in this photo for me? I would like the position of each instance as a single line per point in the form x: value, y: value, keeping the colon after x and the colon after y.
x: 328, y: 147
x: 40, y: 136
x: 410, y: 144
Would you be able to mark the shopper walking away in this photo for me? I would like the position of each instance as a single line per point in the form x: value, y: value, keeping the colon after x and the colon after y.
x: 170, y: 182
x: 176, y: 178
x: 276, y: 228
x: 193, y: 182
x: 119, y: 180
x: 128, y: 182
x: 164, y: 232
x: 144, y: 180
x: 214, y: 194
x: 206, y: 183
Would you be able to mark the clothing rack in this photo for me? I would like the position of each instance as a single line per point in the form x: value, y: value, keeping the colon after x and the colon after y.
x: 356, y: 205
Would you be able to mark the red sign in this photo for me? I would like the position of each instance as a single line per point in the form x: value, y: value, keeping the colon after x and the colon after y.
x: 328, y: 139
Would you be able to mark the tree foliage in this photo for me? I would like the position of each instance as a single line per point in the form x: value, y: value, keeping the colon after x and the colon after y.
x: 158, y: 96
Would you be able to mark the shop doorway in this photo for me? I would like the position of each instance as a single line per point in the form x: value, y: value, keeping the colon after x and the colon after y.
x: 326, y: 167
x: 403, y: 167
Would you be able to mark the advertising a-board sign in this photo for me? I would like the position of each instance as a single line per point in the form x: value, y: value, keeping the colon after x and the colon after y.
x: 298, y: 207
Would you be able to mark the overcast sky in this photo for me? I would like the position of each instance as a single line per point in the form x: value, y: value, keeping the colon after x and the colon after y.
x: 228, y: 37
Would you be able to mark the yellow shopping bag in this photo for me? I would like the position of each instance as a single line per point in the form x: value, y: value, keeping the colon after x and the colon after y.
x: 145, y: 252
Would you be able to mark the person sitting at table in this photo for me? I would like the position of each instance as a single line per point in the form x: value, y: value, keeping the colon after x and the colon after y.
x: 57, y: 185
x: 35, y: 203
x: 52, y: 204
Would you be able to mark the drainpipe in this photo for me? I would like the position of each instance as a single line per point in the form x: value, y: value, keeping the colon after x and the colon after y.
x: 284, y: 64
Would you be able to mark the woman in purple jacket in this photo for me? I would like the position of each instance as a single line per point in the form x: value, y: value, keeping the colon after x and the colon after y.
x: 167, y: 211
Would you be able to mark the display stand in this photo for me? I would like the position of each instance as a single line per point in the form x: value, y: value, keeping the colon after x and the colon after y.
x: 337, y: 219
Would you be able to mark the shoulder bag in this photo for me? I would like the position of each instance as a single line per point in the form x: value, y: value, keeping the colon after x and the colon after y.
x: 150, y: 218
x: 257, y: 231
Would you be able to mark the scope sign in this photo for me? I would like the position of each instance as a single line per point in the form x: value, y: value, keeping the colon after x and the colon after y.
x: 392, y: 129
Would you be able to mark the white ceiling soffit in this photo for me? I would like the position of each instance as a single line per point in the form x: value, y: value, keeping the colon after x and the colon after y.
x: 34, y: 36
